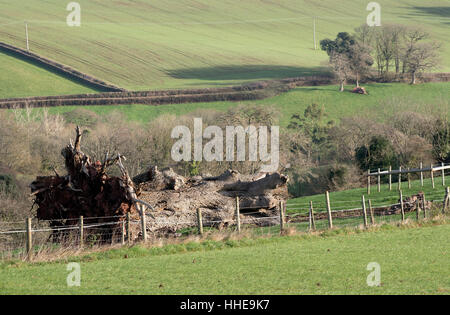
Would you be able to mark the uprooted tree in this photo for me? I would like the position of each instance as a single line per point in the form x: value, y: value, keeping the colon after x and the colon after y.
x: 87, y: 190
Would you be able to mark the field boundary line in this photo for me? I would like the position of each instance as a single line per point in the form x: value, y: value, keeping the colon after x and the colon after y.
x: 59, y: 68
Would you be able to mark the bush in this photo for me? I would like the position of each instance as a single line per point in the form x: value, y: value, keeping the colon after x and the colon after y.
x: 378, y: 154
x: 441, y: 141
x: 322, y: 179
x: 7, y: 184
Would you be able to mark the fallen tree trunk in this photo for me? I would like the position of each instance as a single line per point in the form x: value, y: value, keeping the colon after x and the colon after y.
x: 172, y: 200
x: 175, y: 199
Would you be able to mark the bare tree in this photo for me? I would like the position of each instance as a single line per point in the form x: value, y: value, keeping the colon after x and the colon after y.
x: 384, y: 49
x: 360, y: 61
x: 341, y: 67
x: 421, y: 57
x: 388, y: 43
x: 398, y: 38
x: 365, y: 35
x: 412, y: 35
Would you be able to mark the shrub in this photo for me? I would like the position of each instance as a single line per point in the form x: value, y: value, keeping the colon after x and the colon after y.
x: 378, y: 154
x: 441, y: 141
x: 7, y: 184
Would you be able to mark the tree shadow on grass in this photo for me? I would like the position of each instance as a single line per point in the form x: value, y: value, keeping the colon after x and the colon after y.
x: 246, y: 72
x: 443, y: 12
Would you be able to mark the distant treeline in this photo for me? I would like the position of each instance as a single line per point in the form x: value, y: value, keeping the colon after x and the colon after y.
x: 252, y: 91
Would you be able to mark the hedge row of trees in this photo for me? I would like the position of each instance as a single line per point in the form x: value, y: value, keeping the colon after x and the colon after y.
x: 407, y: 49
x: 317, y: 153
x: 336, y: 156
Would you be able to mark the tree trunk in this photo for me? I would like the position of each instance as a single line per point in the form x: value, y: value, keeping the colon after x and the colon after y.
x: 413, y: 78
x: 172, y: 200
x: 175, y: 205
x: 341, y: 89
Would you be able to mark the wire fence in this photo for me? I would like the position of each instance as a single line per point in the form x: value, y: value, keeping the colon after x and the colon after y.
x: 385, y: 170
x: 20, y: 239
x: 28, y: 238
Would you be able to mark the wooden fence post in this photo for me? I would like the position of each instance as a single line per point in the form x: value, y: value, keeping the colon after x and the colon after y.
x: 128, y: 228
x: 379, y: 181
x: 402, y: 206
x: 282, y: 218
x: 143, y: 224
x: 400, y: 179
x: 312, y: 222
x: 443, y: 174
x: 330, y: 217
x: 409, y: 179
x: 417, y: 209
x: 421, y: 174
x: 424, y: 206
x: 81, y: 231
x: 368, y: 182
x: 446, y: 200
x: 372, y: 218
x: 238, y: 216
x: 199, y: 221
x: 122, y: 239
x: 390, y: 178
x: 432, y: 176
x: 29, y: 244
x: 364, y: 210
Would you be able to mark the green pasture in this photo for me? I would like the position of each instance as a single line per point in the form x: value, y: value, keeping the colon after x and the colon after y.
x: 383, y: 102
x: 352, y: 199
x: 412, y: 261
x: 20, y: 78
x: 143, y: 44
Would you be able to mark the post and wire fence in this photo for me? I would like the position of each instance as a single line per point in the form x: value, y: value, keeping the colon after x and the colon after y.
x: 406, y: 173
x: 30, y: 237
x: 371, y: 211
x: 26, y: 238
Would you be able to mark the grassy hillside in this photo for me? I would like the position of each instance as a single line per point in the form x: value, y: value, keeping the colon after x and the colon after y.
x: 145, y: 44
x: 19, y: 78
x: 412, y: 261
x: 384, y: 101
x: 351, y: 199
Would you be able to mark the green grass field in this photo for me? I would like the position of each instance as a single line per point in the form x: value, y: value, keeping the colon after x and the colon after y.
x: 147, y: 44
x: 412, y: 261
x: 384, y: 101
x: 19, y: 78
x: 351, y: 199
x: 156, y: 44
